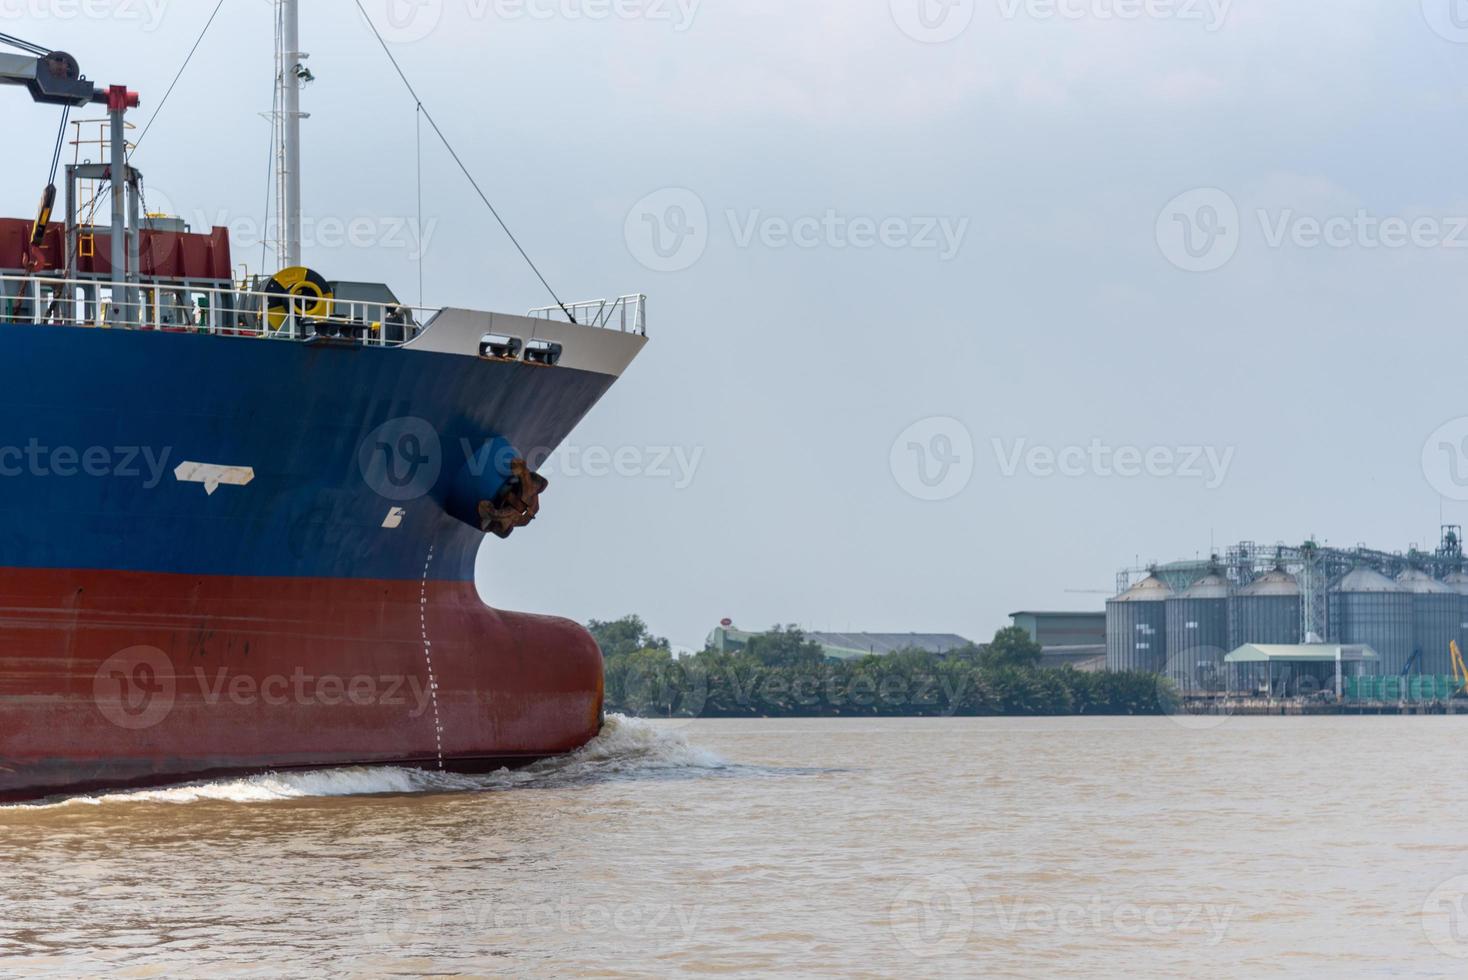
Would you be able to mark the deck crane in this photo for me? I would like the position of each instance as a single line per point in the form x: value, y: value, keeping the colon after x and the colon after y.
x: 55, y: 78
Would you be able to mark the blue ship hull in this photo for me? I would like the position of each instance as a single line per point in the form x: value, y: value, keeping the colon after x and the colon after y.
x: 228, y: 554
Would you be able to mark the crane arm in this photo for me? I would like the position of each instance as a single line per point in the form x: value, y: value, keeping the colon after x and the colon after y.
x: 52, y: 78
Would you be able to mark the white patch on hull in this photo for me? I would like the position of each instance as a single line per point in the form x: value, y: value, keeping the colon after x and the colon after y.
x: 394, y: 519
x: 214, y: 476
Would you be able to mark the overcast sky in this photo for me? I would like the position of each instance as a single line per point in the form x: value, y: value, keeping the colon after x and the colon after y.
x: 955, y: 306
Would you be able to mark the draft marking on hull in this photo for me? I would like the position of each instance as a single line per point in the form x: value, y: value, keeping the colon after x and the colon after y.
x: 214, y: 476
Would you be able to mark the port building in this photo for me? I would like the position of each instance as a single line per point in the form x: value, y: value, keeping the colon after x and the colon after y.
x: 1067, y: 639
x: 1183, y: 619
x: 848, y: 646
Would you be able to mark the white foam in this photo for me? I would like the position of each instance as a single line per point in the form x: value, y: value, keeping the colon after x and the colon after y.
x: 625, y: 749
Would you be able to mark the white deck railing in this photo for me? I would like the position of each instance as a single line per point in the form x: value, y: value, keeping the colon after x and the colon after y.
x: 238, y: 312
x: 225, y: 311
x: 626, y: 313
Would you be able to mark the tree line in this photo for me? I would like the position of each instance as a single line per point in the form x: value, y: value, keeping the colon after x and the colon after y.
x: 785, y: 674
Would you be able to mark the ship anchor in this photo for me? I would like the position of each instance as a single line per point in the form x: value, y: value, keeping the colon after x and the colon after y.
x: 516, y: 505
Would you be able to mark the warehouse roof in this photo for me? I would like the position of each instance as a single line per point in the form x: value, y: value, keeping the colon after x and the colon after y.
x: 1260, y: 653
x: 847, y: 646
x: 861, y: 644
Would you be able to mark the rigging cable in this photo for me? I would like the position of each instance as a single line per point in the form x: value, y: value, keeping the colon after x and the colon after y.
x: 60, y: 144
x: 26, y: 46
x: 454, y: 153
x: 164, y: 101
x: 418, y: 119
x: 270, y: 158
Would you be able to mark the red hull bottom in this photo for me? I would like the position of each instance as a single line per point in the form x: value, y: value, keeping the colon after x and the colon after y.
x: 120, y: 679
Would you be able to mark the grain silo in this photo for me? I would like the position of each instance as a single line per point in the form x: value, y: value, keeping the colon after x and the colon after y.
x: 1136, y: 627
x: 1267, y: 611
x: 1367, y: 607
x: 1197, y: 634
x: 1458, y: 582
x: 1436, y: 620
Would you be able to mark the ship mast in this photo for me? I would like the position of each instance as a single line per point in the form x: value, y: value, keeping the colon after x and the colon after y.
x: 290, y: 76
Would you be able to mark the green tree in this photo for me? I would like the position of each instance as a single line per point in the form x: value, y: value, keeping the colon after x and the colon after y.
x: 784, y: 646
x: 627, y: 635
x: 1011, y: 647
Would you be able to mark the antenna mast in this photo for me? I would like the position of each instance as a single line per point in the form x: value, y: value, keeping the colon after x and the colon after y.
x: 290, y: 76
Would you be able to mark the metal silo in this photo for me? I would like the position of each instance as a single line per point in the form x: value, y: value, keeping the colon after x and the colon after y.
x: 1136, y: 627
x: 1197, y: 634
x: 1435, y: 620
x: 1458, y: 582
x: 1367, y: 607
x: 1268, y: 611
